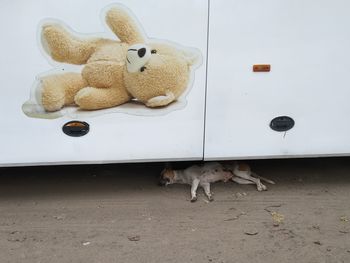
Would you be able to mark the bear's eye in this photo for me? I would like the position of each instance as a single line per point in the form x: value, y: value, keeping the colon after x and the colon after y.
x: 142, y: 69
x: 154, y: 51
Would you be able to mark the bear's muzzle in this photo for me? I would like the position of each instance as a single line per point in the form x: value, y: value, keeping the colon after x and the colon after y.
x: 137, y: 56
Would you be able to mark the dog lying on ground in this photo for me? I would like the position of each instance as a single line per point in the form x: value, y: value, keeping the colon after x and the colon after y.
x: 211, y: 172
x: 196, y: 176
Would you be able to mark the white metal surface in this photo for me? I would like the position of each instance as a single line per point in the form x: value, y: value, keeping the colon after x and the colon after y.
x: 307, y: 44
x: 113, y: 137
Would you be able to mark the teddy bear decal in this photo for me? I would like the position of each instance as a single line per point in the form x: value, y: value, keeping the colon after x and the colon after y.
x: 134, y: 68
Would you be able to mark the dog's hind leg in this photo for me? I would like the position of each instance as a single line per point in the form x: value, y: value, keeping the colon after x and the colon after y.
x: 206, y: 187
x: 263, y: 178
x: 241, y: 181
x: 194, y: 187
x: 246, y: 175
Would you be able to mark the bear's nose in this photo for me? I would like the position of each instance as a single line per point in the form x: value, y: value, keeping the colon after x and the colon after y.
x: 141, y: 52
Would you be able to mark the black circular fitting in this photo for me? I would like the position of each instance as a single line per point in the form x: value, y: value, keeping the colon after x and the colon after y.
x: 76, y: 128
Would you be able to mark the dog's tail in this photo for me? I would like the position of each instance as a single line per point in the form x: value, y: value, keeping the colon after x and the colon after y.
x: 263, y: 178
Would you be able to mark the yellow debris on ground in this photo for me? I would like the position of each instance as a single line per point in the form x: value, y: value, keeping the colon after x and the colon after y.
x: 277, y: 218
x: 344, y: 219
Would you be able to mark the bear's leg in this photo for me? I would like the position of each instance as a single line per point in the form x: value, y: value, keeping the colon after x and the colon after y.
x: 59, y: 90
x: 91, y: 98
x: 63, y: 46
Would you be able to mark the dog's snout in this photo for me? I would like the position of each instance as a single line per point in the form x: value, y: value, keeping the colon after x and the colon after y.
x: 141, y: 52
x: 162, y: 182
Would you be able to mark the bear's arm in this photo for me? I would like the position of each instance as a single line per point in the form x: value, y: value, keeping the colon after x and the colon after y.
x: 124, y: 26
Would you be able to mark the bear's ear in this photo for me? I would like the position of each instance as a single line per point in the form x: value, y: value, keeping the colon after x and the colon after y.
x: 192, y: 56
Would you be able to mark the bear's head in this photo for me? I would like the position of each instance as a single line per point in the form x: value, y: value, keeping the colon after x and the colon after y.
x: 155, y: 68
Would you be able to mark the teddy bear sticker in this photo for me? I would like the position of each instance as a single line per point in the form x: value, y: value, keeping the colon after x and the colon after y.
x: 146, y: 74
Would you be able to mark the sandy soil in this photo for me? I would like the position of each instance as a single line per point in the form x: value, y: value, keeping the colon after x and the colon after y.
x: 116, y: 213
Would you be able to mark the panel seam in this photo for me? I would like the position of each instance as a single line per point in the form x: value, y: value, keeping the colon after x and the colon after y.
x: 206, y: 83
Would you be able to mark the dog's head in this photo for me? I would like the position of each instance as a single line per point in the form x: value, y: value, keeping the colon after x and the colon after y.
x: 167, y: 176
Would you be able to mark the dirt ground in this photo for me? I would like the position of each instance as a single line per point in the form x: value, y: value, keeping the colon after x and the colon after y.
x: 117, y: 213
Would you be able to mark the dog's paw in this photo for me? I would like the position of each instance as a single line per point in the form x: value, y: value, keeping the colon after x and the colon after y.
x: 193, y: 199
x: 261, y: 187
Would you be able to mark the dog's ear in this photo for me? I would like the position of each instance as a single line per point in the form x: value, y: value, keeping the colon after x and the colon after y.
x: 162, y: 172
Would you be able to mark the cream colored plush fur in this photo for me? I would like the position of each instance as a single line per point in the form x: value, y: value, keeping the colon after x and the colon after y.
x: 157, y: 74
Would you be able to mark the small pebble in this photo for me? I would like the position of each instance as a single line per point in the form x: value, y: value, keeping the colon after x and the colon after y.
x: 251, y: 233
x: 60, y: 217
x: 134, y: 238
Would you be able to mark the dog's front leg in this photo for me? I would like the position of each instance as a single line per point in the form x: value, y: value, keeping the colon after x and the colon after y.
x: 194, y: 187
x: 206, y: 187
